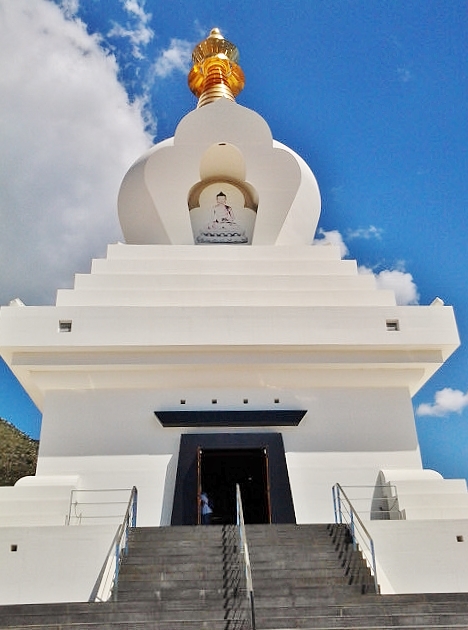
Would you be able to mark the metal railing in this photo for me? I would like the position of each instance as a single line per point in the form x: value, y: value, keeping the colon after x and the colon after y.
x: 245, y: 556
x: 97, y: 507
x: 376, y: 502
x: 107, y: 582
x: 346, y: 514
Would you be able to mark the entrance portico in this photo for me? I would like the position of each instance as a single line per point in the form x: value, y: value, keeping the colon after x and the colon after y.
x: 215, y: 462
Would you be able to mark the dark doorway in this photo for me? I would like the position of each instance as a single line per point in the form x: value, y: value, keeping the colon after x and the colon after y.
x: 247, y: 448
x: 219, y: 472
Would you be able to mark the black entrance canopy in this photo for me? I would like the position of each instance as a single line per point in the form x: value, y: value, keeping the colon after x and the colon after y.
x: 255, y: 418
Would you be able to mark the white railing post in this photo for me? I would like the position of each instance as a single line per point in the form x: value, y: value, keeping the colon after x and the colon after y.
x: 357, y: 530
x: 244, y: 549
x: 106, y: 583
x: 351, y: 527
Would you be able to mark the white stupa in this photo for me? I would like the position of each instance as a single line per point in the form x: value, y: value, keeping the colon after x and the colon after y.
x: 218, y: 345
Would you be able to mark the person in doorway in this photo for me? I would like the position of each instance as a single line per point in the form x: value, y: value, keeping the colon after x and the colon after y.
x: 205, y: 509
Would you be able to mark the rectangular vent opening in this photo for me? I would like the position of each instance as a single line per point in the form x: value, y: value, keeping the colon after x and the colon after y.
x: 393, y: 325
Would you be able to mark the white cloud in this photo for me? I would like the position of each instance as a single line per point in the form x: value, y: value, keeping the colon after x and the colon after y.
x: 137, y: 29
x: 137, y: 8
x: 333, y: 237
x: 70, y: 7
x: 177, y: 57
x: 406, y: 291
x: 365, y: 233
x: 67, y: 137
x: 399, y: 281
x: 446, y: 401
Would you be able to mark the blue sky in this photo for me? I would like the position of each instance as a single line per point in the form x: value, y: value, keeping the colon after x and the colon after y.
x: 372, y: 93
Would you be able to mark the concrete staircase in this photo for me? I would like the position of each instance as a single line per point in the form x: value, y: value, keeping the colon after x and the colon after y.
x: 298, y: 570
x: 184, y: 572
x: 306, y: 576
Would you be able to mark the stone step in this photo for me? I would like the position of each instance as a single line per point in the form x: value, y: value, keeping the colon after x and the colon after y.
x: 321, y: 562
x: 315, y: 593
x: 199, y: 536
x: 173, y: 621
x: 369, y: 605
x: 186, y: 572
x: 320, y: 571
x: 183, y: 534
x: 194, y: 587
x: 370, y: 611
x: 118, y: 617
x: 291, y: 542
x: 330, y: 597
x: 279, y: 529
x: 180, y: 545
x: 213, y: 624
x: 177, y: 589
x: 374, y: 623
x: 297, y: 547
x: 298, y: 581
x: 178, y: 533
x: 302, y: 607
x: 218, y: 623
x: 196, y: 557
x: 115, y: 612
x: 187, y: 598
x: 167, y: 548
x: 291, y: 535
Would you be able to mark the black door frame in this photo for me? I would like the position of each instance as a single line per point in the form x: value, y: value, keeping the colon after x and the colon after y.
x: 185, y: 508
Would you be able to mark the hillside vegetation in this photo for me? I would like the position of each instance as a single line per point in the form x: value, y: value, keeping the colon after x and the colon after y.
x: 18, y: 454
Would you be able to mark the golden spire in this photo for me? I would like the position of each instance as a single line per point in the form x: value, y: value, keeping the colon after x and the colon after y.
x: 215, y: 73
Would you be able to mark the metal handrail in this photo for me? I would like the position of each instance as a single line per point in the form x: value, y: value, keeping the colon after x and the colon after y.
x: 345, y: 513
x: 81, y: 511
x: 107, y: 581
x: 375, y: 502
x: 244, y: 550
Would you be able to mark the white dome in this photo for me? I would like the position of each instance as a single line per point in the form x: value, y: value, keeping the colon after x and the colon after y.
x: 221, y: 145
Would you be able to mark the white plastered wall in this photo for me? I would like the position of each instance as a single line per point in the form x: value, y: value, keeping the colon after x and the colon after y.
x: 421, y: 556
x: 51, y: 564
x: 112, y: 438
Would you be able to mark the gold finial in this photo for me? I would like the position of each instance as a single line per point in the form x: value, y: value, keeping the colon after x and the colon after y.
x: 215, y: 73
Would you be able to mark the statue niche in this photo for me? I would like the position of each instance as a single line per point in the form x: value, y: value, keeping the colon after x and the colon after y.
x: 222, y: 205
